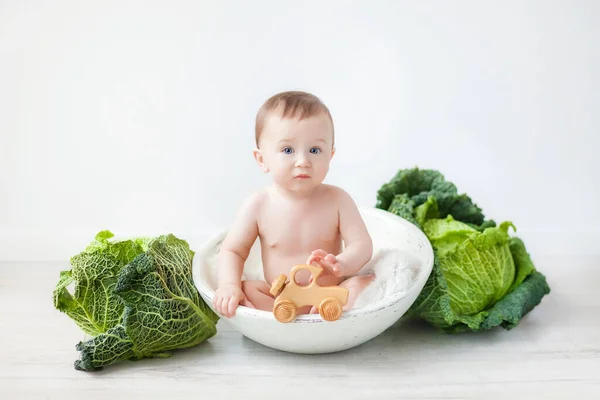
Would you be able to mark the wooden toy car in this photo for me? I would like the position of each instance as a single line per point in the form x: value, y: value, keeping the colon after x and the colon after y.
x: 289, y: 296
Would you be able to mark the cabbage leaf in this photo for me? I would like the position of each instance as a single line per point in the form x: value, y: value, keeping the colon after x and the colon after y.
x: 93, y: 305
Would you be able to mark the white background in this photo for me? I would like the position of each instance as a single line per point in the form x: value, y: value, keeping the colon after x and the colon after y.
x: 138, y: 116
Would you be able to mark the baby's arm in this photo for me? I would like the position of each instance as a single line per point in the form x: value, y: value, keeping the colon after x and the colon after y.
x: 232, y: 255
x: 358, y: 244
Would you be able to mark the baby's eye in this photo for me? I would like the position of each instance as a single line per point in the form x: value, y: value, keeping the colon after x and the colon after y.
x: 287, y: 150
x: 315, y: 150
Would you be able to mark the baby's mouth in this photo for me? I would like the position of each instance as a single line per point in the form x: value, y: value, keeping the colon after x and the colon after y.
x: 302, y: 176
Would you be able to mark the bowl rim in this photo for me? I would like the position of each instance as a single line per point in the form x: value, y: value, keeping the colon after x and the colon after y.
x: 377, y: 306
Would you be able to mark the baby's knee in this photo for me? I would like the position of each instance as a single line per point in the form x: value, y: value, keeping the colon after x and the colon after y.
x: 355, y: 286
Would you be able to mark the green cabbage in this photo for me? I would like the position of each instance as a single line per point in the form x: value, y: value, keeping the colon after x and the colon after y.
x: 146, y: 290
x: 482, y: 277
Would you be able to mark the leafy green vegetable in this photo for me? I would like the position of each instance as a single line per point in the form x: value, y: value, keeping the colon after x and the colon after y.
x: 482, y: 277
x: 418, y: 185
x: 163, y: 310
x: 147, y: 288
x: 93, y: 306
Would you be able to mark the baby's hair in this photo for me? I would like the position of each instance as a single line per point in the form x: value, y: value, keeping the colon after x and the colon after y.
x: 295, y: 104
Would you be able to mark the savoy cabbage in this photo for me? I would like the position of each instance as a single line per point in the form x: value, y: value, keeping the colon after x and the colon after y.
x: 482, y: 277
x: 137, y: 298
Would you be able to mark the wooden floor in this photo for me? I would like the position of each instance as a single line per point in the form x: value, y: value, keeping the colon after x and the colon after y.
x: 553, y: 353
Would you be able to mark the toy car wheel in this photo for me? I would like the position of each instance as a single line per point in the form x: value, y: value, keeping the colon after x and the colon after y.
x: 330, y: 309
x: 285, y: 311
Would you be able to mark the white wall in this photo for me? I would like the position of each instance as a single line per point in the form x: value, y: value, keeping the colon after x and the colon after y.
x: 137, y: 116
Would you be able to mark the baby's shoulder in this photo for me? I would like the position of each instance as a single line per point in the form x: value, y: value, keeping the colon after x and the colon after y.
x: 335, y: 194
x: 254, y: 202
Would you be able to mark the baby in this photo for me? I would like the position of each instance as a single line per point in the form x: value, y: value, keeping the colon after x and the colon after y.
x: 298, y: 219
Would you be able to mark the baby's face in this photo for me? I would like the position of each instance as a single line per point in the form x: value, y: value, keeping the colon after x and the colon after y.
x: 297, y: 152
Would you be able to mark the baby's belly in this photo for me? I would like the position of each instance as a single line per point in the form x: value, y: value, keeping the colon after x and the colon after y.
x: 275, y: 263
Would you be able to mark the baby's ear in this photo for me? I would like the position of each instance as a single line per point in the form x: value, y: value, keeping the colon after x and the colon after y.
x: 332, y: 151
x: 260, y: 160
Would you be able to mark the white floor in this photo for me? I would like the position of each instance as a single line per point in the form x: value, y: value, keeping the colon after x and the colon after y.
x: 553, y: 353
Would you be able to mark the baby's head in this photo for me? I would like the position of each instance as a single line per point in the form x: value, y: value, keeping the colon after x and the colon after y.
x: 294, y: 140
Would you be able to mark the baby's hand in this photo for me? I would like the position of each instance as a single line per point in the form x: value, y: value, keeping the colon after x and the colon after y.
x: 326, y: 260
x: 227, y: 298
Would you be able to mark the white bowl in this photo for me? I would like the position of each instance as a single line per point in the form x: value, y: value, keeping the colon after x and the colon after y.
x: 309, y: 333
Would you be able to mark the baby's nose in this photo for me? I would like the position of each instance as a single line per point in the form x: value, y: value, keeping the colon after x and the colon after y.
x: 302, y: 161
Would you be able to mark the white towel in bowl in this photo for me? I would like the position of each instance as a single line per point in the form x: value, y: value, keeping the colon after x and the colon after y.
x: 395, y: 272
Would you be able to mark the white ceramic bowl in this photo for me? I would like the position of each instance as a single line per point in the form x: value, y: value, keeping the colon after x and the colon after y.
x: 309, y: 333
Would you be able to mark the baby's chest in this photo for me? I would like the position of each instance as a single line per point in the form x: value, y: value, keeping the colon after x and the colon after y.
x: 295, y: 230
